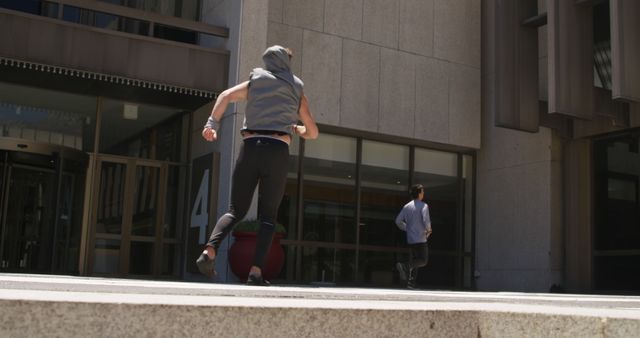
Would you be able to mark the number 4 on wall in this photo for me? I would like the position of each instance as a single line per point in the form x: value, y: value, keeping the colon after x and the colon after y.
x: 200, y: 210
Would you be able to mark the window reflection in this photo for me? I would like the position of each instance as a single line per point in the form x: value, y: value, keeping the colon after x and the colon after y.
x: 141, y: 258
x: 289, y: 205
x: 384, y: 182
x: 327, y: 265
x: 107, y: 256
x: 329, y: 189
x: 170, y: 260
x: 37, y: 7
x: 377, y: 268
x: 330, y: 243
x: 616, y: 234
x: 145, y: 201
x: 47, y: 116
x: 174, y: 208
x: 104, y: 20
x: 111, y: 198
x: 467, y: 181
x: 437, y: 172
x: 441, y: 271
x: 143, y: 131
x: 179, y: 8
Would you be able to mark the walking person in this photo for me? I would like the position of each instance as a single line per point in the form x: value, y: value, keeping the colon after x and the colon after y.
x: 275, y: 105
x: 414, y: 219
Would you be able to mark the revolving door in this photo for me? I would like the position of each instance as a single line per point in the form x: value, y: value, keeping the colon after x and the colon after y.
x: 41, y: 199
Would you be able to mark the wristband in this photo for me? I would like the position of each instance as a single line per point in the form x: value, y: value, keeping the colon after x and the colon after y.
x: 211, y: 123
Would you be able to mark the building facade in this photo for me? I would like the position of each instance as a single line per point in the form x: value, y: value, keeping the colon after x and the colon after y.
x: 96, y: 103
x: 104, y: 171
x: 395, y: 88
x: 558, y: 168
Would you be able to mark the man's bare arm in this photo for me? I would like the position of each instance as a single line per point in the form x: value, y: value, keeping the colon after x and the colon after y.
x: 233, y: 94
x: 309, y: 130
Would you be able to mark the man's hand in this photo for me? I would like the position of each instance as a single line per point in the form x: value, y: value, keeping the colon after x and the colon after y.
x: 299, y: 130
x: 209, y: 134
x: 234, y: 94
x: 428, y: 232
x: 309, y: 130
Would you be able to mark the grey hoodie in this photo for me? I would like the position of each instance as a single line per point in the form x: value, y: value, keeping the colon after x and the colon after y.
x: 274, y: 94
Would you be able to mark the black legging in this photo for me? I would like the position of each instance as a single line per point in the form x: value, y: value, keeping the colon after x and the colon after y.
x: 419, y: 255
x: 262, y: 160
x: 419, y: 258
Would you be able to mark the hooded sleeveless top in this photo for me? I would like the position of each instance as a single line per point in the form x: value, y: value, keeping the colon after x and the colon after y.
x: 274, y: 94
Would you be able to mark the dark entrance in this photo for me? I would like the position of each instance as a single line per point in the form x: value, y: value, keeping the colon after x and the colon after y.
x: 41, y: 197
x: 616, y: 210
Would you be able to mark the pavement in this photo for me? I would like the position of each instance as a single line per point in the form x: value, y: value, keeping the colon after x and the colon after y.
x: 68, y: 306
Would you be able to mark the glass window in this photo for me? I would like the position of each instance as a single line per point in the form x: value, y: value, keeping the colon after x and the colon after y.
x: 621, y: 189
x: 145, y: 201
x: 175, y: 34
x: 376, y: 268
x: 107, y: 256
x: 616, y: 234
x: 467, y: 181
x: 141, y: 258
x: 37, y: 7
x: 602, y: 45
x: 174, y: 208
x: 170, y: 260
x: 437, y: 172
x: 329, y: 189
x: 287, y: 213
x: 440, y: 272
x: 111, y: 198
x: 105, y: 20
x: 467, y: 272
x: 617, y: 181
x: 616, y: 272
x: 384, y: 182
x: 47, y: 116
x: 28, y: 228
x: 327, y: 265
x: 186, y: 9
x: 138, y: 130
x: 71, y: 212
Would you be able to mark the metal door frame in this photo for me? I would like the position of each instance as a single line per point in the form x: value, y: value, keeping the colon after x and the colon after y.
x: 125, y: 237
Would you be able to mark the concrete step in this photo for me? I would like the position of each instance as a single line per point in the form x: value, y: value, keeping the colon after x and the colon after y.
x: 63, y: 306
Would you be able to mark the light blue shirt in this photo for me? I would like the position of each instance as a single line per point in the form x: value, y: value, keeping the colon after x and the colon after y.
x: 414, y: 219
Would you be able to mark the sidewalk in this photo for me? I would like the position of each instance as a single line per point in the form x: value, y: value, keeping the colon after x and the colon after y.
x: 48, y: 305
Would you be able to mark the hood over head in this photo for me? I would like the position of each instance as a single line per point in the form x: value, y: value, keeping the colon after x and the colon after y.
x: 276, y: 59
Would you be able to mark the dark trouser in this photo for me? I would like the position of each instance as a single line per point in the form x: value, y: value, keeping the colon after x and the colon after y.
x: 265, y: 161
x: 419, y: 258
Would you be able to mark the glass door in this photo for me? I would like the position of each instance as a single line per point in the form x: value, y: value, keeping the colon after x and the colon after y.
x: 616, y: 228
x: 384, y: 182
x: 329, y: 211
x: 40, y: 213
x: 3, y: 193
x: 135, y: 225
x: 28, y: 222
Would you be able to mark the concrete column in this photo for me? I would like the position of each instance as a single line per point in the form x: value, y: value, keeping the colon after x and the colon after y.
x: 625, y: 49
x: 516, y: 65
x: 570, y: 48
x: 578, y: 218
x: 247, y: 23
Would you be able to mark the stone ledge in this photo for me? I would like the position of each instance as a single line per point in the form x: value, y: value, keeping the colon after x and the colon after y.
x: 78, y: 306
x: 28, y: 318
